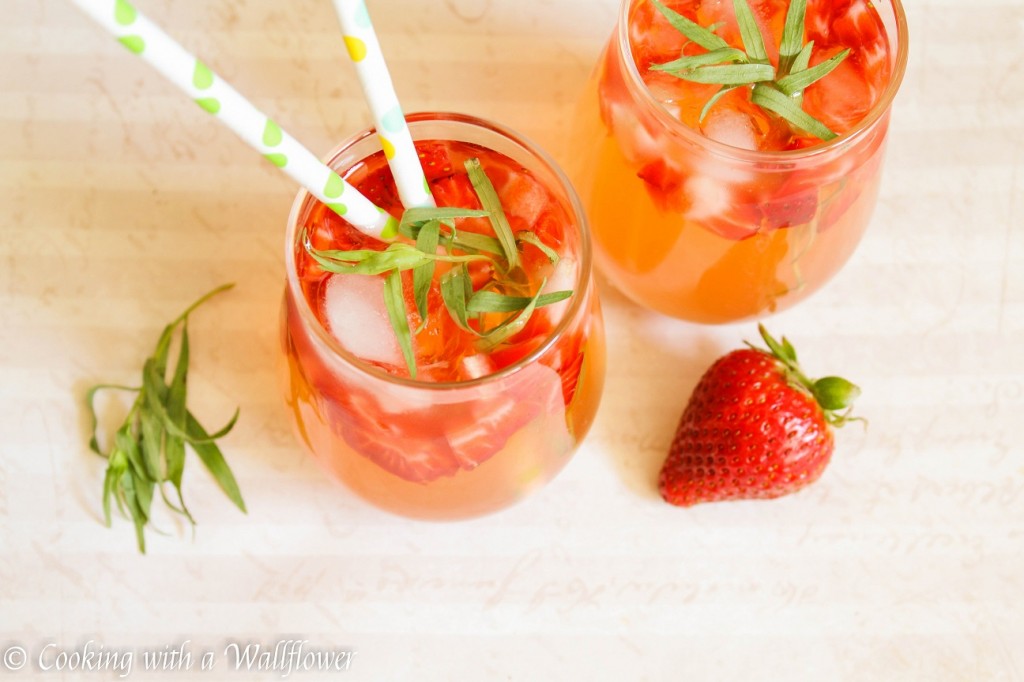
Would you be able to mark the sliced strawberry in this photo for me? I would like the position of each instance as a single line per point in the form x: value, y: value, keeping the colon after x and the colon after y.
x: 789, y: 209
x: 327, y: 230
x: 569, y: 366
x: 856, y: 24
x: 454, y: 190
x: 479, y: 438
x: 842, y: 98
x: 436, y: 160
x: 664, y: 185
x: 379, y: 187
x: 509, y: 354
x: 405, y: 445
x: 738, y: 224
x: 482, y: 432
x: 419, y: 460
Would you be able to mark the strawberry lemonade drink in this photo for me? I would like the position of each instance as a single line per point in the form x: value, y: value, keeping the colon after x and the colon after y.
x: 501, y: 370
x: 729, y: 170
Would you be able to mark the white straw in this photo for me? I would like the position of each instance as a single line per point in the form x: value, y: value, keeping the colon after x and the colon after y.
x: 147, y: 40
x: 364, y: 49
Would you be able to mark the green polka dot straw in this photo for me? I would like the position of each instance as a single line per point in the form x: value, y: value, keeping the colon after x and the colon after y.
x: 218, y: 98
x: 396, y: 141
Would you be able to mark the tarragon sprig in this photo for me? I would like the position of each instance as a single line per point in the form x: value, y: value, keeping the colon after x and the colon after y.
x: 431, y: 228
x: 777, y: 89
x: 149, y: 447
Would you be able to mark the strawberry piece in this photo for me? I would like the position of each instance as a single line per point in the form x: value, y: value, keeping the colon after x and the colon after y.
x: 789, y: 209
x: 379, y: 187
x: 511, y: 353
x: 454, y: 190
x: 397, y: 443
x: 436, y: 160
x: 664, y: 185
x: 755, y: 427
x: 479, y: 438
x: 419, y: 460
x: 570, y: 367
x: 327, y: 230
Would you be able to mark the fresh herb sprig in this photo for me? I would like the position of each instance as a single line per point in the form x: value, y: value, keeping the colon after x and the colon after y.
x: 776, y: 89
x: 149, y: 447
x: 432, y: 228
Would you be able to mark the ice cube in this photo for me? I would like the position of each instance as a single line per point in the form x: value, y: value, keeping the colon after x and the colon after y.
x: 708, y: 197
x: 732, y: 127
x: 563, y: 278
x: 523, y: 196
x: 353, y: 308
x: 636, y: 142
x: 667, y: 91
x: 476, y: 366
x: 843, y: 98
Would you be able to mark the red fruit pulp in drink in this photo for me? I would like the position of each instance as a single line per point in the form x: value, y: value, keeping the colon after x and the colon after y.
x: 466, y: 447
x: 444, y: 351
x: 740, y: 214
x: 840, y: 100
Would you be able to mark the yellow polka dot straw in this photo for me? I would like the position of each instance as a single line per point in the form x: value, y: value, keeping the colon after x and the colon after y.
x: 218, y: 98
x: 364, y: 49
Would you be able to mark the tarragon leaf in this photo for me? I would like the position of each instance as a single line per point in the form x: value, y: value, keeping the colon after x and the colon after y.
x: 171, y: 428
x: 397, y: 256
x: 771, y: 91
x: 90, y: 406
x: 394, y: 301
x: 729, y: 74
x: 131, y: 500
x: 453, y: 292
x: 725, y: 54
x: 771, y: 99
x: 803, y: 59
x: 422, y: 275
x: 414, y: 218
x: 531, y: 238
x: 125, y: 441
x: 493, y: 302
x: 722, y: 92
x: 140, y: 461
x: 792, y: 36
x: 796, y: 82
x: 750, y: 33
x: 512, y: 326
x: 110, y: 478
x: 693, y: 31
x: 151, y: 440
x: 473, y: 241
x: 174, y: 446
x: 212, y: 458
x: 492, y: 204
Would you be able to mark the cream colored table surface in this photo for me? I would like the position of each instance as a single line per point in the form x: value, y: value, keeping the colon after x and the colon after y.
x: 121, y: 201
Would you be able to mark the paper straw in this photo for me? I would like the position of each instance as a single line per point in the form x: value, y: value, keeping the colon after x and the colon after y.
x: 147, y: 40
x: 364, y: 49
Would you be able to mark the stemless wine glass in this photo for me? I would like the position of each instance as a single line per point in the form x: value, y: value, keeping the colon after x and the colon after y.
x: 454, y: 449
x: 708, y: 232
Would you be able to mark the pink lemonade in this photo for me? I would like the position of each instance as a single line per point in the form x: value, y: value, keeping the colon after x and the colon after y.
x: 480, y: 425
x: 741, y: 213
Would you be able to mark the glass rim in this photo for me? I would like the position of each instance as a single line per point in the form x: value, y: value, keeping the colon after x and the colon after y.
x: 862, y: 127
x: 583, y: 284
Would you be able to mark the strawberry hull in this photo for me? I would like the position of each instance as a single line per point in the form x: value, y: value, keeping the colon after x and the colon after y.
x: 479, y: 427
x: 739, y: 214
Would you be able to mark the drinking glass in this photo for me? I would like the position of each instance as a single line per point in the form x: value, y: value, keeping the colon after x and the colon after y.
x: 455, y: 449
x: 703, y: 231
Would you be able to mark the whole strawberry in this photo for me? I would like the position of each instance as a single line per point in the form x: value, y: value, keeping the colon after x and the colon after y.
x: 755, y: 427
